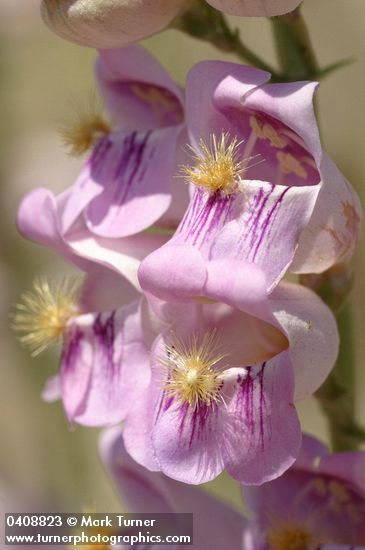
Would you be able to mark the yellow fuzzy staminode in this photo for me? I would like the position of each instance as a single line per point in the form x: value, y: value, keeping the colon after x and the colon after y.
x: 290, y: 537
x: 82, y: 131
x: 192, y: 376
x: 218, y: 166
x: 43, y: 312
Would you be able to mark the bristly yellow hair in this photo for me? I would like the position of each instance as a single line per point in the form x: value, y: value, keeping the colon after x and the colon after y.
x: 84, y: 128
x: 191, y: 373
x: 43, y: 313
x: 217, y: 166
x: 290, y: 537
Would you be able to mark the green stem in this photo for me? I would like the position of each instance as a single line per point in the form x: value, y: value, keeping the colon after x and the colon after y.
x: 205, y: 23
x: 296, y: 56
x: 337, y: 395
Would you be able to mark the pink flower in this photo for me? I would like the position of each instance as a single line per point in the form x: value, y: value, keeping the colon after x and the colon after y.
x: 127, y: 183
x: 265, y: 191
x: 224, y: 375
x: 320, y: 500
x: 116, y: 23
x: 216, y: 525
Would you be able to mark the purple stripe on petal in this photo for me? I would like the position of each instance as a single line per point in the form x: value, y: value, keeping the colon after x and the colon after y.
x: 265, y: 437
x: 98, y: 155
x: 205, y: 216
x: 105, y: 335
x: 268, y: 219
x: 135, y: 190
x: 264, y: 226
x: 164, y: 404
x: 199, y: 421
x: 183, y: 415
x: 250, y: 400
x: 87, y: 186
x: 127, y: 168
x: 254, y: 208
x: 186, y: 441
x: 75, y: 378
x: 168, y: 402
x: 253, y: 229
x: 71, y: 351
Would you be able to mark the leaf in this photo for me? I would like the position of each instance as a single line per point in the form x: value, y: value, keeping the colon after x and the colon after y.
x: 329, y: 69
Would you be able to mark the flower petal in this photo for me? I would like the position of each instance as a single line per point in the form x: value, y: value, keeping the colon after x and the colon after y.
x: 291, y: 104
x: 224, y: 85
x: 312, y: 333
x: 38, y: 219
x: 103, y: 290
x: 266, y: 226
x: 334, y: 228
x: 310, y: 453
x: 140, y: 490
x: 179, y: 273
x: 138, y: 427
x: 52, y: 389
x: 102, y: 361
x: 137, y: 91
x: 264, y: 437
x: 121, y: 255
x: 348, y: 466
x: 186, y: 441
x: 125, y: 185
x: 250, y: 225
x: 173, y: 273
x: 137, y: 192
x: 272, y: 498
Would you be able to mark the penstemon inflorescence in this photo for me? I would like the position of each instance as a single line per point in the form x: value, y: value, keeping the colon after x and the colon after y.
x: 199, y: 203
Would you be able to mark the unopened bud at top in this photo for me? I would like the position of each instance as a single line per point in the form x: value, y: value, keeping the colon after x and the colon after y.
x: 255, y: 8
x: 109, y: 23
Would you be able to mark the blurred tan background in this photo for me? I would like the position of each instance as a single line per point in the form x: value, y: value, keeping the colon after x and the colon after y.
x: 41, y: 77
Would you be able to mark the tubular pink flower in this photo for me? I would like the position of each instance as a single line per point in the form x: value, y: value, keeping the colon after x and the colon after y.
x: 326, y: 493
x: 127, y: 183
x: 239, y: 415
x: 282, y: 204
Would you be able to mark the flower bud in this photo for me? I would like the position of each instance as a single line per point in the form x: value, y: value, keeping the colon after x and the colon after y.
x: 108, y: 23
x: 256, y: 8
